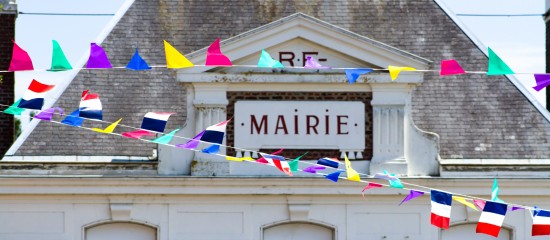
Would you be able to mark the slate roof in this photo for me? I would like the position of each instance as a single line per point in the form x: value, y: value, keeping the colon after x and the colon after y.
x: 476, y: 116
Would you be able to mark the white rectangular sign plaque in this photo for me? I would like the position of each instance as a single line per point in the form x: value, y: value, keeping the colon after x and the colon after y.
x: 300, y: 125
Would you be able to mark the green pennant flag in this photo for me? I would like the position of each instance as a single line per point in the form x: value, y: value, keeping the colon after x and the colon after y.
x: 394, y: 183
x: 497, y: 66
x: 13, y: 109
x: 165, y: 139
x: 294, y: 163
x: 266, y: 61
x: 59, y: 61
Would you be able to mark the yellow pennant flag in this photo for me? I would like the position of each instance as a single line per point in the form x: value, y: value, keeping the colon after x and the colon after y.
x: 108, y: 129
x: 175, y: 59
x: 466, y: 203
x: 352, y: 174
x: 238, y: 159
x: 394, y: 71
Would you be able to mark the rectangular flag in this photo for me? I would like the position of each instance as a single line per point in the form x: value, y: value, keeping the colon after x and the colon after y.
x: 34, y: 96
x: 155, y: 121
x: 278, y: 161
x: 491, y: 218
x: 541, y: 222
x: 441, y: 208
x: 215, y: 133
x: 90, y: 106
x: 328, y: 162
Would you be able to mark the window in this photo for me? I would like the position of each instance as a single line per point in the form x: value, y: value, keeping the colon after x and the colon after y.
x: 121, y: 231
x: 468, y: 231
x: 298, y: 231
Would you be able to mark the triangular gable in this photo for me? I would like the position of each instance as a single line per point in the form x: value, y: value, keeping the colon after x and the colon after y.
x: 299, y: 31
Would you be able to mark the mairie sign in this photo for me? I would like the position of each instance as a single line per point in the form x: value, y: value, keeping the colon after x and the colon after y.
x: 300, y: 125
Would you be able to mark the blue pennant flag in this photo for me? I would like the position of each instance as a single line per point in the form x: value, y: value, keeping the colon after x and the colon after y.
x: 213, y: 149
x: 73, y: 119
x: 334, y: 176
x: 137, y: 63
x: 353, y: 74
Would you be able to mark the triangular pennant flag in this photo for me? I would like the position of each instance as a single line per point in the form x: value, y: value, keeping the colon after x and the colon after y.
x: 34, y: 96
x: 352, y: 174
x: 14, y: 109
x: 215, y: 57
x: 392, y: 179
x: 238, y: 159
x: 73, y: 119
x: 266, y: 61
x: 108, y: 129
x: 59, y: 61
x: 20, y: 60
x: 212, y: 149
x: 514, y: 208
x: 333, y: 176
x: 412, y: 195
x: 465, y: 202
x: 294, y: 163
x: 193, y: 143
x: 313, y: 169
x: 354, y: 74
x: 494, y: 192
x: 166, y: 138
x: 496, y: 65
x: 394, y: 71
x: 137, y: 134
x: 98, y: 58
x: 175, y: 59
x: 137, y: 63
x: 369, y: 186
x: 47, y: 114
x: 312, y: 63
x: 450, y: 67
x: 543, y: 80
x: 90, y: 106
x: 479, y: 204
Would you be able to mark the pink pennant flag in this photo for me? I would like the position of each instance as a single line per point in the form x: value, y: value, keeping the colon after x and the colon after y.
x: 450, y: 67
x: 98, y: 58
x: 479, y: 204
x: 369, y: 186
x: 20, y: 59
x: 215, y: 57
x: 137, y: 134
x: 312, y: 63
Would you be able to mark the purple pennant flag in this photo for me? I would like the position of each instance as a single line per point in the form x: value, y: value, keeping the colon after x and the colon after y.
x: 543, y: 80
x: 193, y: 143
x: 514, y: 208
x: 47, y: 114
x: 312, y: 63
x: 313, y: 169
x: 412, y: 195
x: 98, y: 58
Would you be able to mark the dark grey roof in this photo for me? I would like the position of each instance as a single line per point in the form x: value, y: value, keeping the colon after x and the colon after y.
x: 476, y: 116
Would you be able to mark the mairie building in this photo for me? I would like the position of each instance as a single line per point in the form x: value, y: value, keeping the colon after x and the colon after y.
x: 452, y: 133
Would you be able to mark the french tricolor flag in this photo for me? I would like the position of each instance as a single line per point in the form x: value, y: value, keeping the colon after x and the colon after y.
x: 278, y: 161
x: 34, y: 96
x: 491, y: 218
x: 155, y: 121
x: 541, y: 222
x: 90, y: 106
x: 215, y: 133
x: 441, y: 208
x: 329, y: 162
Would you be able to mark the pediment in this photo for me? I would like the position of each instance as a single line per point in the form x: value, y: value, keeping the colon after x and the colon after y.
x: 292, y: 38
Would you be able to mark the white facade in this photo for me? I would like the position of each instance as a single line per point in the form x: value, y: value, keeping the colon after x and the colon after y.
x: 250, y: 201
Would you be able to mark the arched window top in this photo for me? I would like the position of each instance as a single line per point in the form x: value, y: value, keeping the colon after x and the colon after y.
x: 468, y: 231
x: 298, y: 231
x: 120, y: 230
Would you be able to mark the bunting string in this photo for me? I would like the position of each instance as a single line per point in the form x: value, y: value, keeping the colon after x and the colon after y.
x: 427, y: 189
